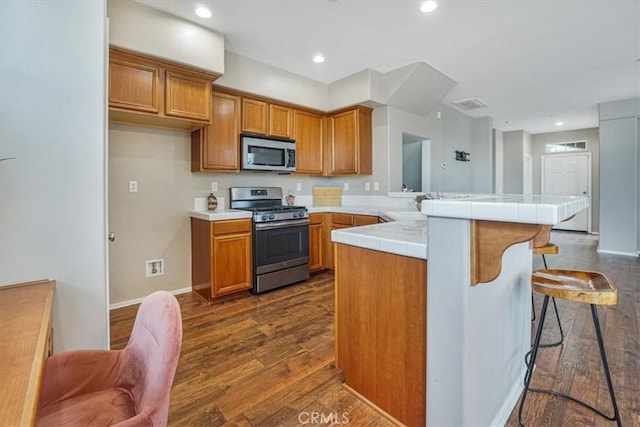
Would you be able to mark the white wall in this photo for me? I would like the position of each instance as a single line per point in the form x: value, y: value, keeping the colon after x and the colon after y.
x: 52, y: 196
x: 255, y: 77
x: 140, y: 28
x: 619, y: 177
x: 482, y: 156
x: 498, y: 162
x: 513, y: 156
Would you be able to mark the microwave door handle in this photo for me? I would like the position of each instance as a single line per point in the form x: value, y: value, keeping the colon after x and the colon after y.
x: 291, y: 158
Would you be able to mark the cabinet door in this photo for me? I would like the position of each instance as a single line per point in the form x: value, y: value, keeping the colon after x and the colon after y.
x: 344, y: 143
x: 231, y: 263
x: 187, y: 97
x: 217, y: 147
x: 329, y: 246
x: 308, y: 133
x: 254, y: 116
x: 280, y: 121
x: 134, y: 86
x: 316, y: 242
x: 349, y: 143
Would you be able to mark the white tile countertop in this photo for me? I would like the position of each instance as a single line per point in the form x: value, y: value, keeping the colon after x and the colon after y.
x: 220, y: 214
x: 529, y: 209
x: 408, y: 237
x: 385, y: 212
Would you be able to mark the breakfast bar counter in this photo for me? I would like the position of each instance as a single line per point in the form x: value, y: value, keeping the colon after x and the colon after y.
x: 451, y: 327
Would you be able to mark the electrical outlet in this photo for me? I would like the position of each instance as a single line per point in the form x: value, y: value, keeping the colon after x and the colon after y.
x: 214, y: 186
x: 345, y: 186
x: 298, y: 187
x: 154, y: 267
x: 367, y: 186
x: 376, y: 186
x: 133, y: 186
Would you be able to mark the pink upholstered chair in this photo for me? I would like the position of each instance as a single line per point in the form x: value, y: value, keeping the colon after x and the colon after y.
x: 128, y: 387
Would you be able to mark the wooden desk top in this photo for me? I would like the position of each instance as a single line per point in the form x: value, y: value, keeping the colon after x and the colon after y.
x: 25, y: 322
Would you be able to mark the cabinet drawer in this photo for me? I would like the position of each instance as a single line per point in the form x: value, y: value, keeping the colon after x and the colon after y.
x: 231, y: 226
x: 340, y: 218
x: 316, y: 218
x: 365, y: 219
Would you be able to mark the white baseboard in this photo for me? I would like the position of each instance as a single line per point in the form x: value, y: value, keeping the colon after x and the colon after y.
x: 510, y: 402
x: 633, y: 254
x: 139, y: 300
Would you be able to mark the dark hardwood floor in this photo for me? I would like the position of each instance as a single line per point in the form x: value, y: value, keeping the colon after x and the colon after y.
x: 575, y: 366
x: 267, y: 360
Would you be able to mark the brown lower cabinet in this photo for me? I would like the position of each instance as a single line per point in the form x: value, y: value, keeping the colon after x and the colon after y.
x: 317, y: 245
x: 381, y: 329
x: 221, y: 257
x: 337, y: 221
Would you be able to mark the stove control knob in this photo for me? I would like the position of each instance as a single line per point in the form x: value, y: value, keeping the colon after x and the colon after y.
x: 272, y: 216
x: 265, y: 217
x: 300, y: 214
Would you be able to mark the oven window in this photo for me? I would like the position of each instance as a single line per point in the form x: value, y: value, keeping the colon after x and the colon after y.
x: 264, y: 156
x: 281, y: 244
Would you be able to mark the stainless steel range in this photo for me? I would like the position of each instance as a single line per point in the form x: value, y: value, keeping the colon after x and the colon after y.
x: 280, y: 237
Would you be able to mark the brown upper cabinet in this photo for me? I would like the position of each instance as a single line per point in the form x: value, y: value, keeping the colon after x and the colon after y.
x: 308, y: 131
x: 349, y: 142
x: 265, y: 118
x: 326, y: 144
x: 150, y: 92
x: 215, y: 148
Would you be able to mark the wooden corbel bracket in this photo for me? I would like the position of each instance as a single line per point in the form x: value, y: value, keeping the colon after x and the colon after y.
x: 489, y: 240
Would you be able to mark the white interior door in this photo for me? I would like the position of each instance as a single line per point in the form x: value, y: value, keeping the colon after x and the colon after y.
x: 568, y: 175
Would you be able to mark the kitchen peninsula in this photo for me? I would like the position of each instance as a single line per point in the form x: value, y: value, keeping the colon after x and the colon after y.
x: 437, y: 336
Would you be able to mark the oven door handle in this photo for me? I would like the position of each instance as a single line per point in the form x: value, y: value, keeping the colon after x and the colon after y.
x: 281, y: 224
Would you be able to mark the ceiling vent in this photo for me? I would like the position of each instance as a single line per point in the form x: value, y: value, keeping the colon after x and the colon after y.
x: 469, y: 104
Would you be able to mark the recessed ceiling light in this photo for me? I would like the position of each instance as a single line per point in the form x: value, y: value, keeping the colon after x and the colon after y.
x: 318, y: 59
x: 559, y: 123
x: 203, y: 12
x: 429, y: 6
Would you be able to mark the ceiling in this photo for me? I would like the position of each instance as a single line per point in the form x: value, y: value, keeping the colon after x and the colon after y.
x: 533, y: 62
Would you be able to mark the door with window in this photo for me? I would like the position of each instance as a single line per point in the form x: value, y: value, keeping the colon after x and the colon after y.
x: 568, y: 175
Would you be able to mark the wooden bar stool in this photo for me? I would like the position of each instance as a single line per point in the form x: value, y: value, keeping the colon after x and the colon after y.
x: 581, y: 286
x: 548, y: 249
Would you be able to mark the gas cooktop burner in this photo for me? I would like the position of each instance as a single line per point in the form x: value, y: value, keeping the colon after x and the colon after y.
x: 277, y: 208
x: 266, y: 204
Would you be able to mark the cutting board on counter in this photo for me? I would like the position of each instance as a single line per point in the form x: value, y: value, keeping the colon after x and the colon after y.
x: 327, y: 196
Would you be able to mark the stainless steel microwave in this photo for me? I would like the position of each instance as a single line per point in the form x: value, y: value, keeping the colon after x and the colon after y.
x: 265, y: 154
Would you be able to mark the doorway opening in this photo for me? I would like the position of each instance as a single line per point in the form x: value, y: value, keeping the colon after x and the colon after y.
x: 416, y: 159
x: 568, y: 175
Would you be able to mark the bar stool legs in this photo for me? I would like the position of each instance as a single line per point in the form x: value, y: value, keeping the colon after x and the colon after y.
x: 603, y: 356
x: 555, y: 308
